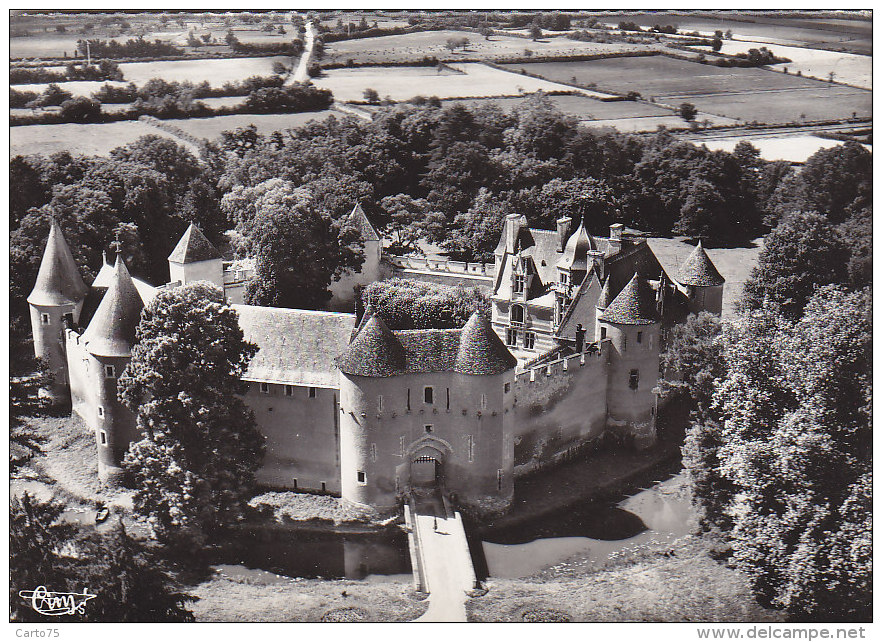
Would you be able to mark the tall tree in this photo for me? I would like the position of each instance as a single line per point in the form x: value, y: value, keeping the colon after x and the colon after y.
x: 194, y: 469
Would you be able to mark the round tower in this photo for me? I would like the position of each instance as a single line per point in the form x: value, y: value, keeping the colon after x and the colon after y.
x: 631, y: 324
x: 108, y: 341
x: 58, y: 294
x: 701, y: 282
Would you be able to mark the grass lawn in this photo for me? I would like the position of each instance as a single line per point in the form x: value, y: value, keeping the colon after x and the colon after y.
x: 824, y: 102
x: 673, y: 582
x: 734, y: 264
x: 211, y: 128
x: 215, y: 71
x: 414, y: 46
x: 94, y: 139
x: 222, y: 599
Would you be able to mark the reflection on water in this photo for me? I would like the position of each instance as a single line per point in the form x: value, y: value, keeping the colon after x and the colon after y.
x: 660, y: 513
x: 328, y: 555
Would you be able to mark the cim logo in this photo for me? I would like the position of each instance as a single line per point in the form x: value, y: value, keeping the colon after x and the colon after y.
x: 48, y: 602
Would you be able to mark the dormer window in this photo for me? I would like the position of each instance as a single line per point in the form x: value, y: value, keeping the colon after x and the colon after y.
x: 517, y: 314
x: 519, y: 284
x: 564, y: 278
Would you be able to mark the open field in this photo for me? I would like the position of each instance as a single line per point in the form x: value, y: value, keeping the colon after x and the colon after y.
x: 850, y: 69
x: 842, y: 35
x: 403, y: 83
x: 734, y: 264
x: 745, y: 94
x: 414, y: 46
x: 211, y: 128
x: 794, y: 149
x: 659, y: 76
x: 674, y: 582
x: 93, y: 139
x: 582, y: 107
x: 652, y: 123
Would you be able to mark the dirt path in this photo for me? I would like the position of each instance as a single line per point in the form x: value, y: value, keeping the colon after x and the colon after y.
x: 300, y: 74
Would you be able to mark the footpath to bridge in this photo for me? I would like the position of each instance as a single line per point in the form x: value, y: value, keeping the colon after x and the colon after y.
x: 442, y: 564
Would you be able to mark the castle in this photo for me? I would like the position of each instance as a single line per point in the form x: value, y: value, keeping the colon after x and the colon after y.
x: 352, y: 408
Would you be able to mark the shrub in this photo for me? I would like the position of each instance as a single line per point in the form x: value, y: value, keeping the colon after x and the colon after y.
x: 21, y: 98
x: 81, y: 110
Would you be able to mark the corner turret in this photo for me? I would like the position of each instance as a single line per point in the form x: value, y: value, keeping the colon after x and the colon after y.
x: 701, y: 282
x: 58, y: 294
x: 196, y: 259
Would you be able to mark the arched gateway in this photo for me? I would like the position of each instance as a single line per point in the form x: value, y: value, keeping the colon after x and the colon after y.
x: 426, y: 458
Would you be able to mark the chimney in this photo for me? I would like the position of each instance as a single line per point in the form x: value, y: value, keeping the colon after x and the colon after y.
x: 596, y: 257
x: 580, y: 337
x: 512, y: 227
x: 563, y: 232
x: 615, y: 238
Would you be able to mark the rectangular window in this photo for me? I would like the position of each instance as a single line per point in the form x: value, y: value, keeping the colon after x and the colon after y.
x: 103, y: 436
x: 100, y: 411
x: 373, y: 452
x: 650, y: 341
x: 360, y: 477
x: 470, y: 448
x: 264, y: 388
x: 408, y: 398
x: 564, y: 278
x: 294, y: 482
x: 312, y: 393
x: 44, y: 319
x: 506, y: 388
x: 603, y: 333
x: 448, y: 398
x: 428, y: 428
x: 639, y: 337
x: 483, y: 401
x: 289, y: 391
x: 109, y: 372
x: 428, y: 394
x: 511, y: 337
x: 518, y: 286
x: 324, y: 487
x: 499, y: 479
x: 634, y: 379
x: 380, y: 403
x: 529, y: 340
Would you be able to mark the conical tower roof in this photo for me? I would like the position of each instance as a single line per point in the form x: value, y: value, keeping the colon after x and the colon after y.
x: 698, y: 269
x: 375, y: 352
x: 634, y: 305
x: 111, y: 332
x: 605, y: 297
x: 481, y: 352
x: 58, y: 281
x: 575, y: 255
x: 193, y: 247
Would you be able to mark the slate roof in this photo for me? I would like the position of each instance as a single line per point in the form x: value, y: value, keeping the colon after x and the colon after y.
x: 357, y: 216
x: 698, y: 269
x: 58, y: 281
x: 379, y: 352
x: 575, y: 254
x: 295, y: 347
x: 193, y: 247
x: 634, y: 305
x: 111, y: 332
x: 605, y: 296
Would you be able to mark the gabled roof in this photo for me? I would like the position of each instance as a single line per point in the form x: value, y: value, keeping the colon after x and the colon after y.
x: 360, y: 219
x: 111, y: 332
x: 582, y: 308
x: 377, y: 351
x: 193, y: 247
x: 295, y: 347
x: 58, y: 281
x: 634, y: 305
x: 698, y: 269
x: 575, y: 254
x: 481, y: 351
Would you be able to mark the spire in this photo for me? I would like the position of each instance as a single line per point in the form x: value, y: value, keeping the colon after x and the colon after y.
x: 193, y: 247
x: 634, y: 305
x: 605, y: 296
x: 481, y: 352
x: 58, y: 281
x: 375, y: 352
x: 575, y: 255
x: 699, y: 270
x: 111, y: 332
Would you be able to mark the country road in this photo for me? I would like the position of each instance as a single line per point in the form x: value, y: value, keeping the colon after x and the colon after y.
x: 300, y: 74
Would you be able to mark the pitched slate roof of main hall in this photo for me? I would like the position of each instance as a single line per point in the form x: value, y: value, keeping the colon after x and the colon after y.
x: 58, y: 281
x: 295, y: 347
x: 698, y: 269
x: 474, y: 349
x: 193, y: 247
x: 634, y: 305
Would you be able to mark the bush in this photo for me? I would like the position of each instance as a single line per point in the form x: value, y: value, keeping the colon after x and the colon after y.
x: 18, y: 99
x: 296, y: 98
x: 81, y: 110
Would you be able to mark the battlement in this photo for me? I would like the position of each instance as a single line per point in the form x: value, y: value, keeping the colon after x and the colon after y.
x: 444, y: 266
x: 560, y: 365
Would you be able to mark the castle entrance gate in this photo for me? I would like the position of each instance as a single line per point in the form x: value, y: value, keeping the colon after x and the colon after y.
x: 424, y: 471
